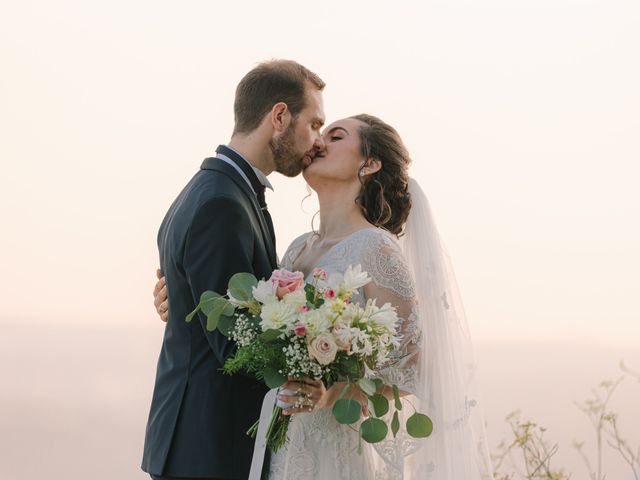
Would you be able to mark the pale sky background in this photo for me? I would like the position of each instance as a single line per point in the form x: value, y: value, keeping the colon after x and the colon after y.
x: 522, y: 118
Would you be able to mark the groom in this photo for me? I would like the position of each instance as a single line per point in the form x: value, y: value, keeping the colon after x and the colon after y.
x: 217, y: 226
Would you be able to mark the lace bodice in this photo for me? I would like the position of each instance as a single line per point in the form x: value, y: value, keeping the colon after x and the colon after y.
x: 318, y: 447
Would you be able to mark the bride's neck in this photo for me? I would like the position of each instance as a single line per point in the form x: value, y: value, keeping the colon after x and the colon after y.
x: 339, y: 214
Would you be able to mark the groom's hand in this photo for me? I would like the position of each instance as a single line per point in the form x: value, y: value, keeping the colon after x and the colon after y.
x: 160, y: 298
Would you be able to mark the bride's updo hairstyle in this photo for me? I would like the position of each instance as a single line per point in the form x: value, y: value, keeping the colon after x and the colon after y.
x: 384, y: 198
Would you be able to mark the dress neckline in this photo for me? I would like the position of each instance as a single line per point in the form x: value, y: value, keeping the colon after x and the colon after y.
x: 339, y: 242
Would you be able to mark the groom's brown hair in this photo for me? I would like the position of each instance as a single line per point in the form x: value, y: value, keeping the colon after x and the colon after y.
x: 270, y: 83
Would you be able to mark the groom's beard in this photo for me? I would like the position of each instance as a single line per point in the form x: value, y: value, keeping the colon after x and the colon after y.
x: 287, y: 159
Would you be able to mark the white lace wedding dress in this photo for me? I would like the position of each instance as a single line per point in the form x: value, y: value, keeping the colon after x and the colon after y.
x: 318, y: 447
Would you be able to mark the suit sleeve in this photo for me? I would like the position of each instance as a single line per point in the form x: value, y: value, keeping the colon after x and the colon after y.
x: 218, y: 245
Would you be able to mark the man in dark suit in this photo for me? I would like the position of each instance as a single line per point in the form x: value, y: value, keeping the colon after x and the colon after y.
x: 217, y: 226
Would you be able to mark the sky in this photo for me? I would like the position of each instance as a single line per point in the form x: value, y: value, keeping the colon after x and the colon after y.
x: 521, y: 117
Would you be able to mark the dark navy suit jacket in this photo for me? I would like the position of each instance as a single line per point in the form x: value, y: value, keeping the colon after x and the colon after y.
x: 199, y: 416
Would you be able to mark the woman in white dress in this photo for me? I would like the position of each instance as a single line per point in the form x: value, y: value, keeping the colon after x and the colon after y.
x: 367, y: 203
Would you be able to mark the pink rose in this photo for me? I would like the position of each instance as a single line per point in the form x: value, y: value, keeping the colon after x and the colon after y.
x: 323, y: 348
x: 330, y: 293
x: 287, y: 282
x: 303, y: 309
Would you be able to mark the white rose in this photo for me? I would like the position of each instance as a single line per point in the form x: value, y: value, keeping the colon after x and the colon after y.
x: 277, y: 314
x: 265, y: 292
x: 295, y: 299
x: 323, y: 348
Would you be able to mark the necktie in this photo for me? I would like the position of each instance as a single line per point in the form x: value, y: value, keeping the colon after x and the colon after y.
x: 258, y: 187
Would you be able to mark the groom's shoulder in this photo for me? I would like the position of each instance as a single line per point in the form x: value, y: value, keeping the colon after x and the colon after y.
x: 208, y: 185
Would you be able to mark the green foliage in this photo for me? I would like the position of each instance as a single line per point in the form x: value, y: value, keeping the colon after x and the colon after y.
x: 379, y: 404
x: 226, y: 324
x: 273, y: 378
x: 347, y: 411
x: 367, y: 386
x: 396, y: 397
x: 241, y: 286
x: 373, y: 430
x: 205, y: 304
x: 395, y: 424
x: 214, y: 310
x: 419, y: 425
x: 270, y: 335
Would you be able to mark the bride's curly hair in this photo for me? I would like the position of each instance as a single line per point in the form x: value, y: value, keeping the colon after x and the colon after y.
x: 384, y: 198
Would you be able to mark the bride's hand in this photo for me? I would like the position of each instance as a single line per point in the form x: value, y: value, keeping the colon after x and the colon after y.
x: 160, y: 298
x: 312, y: 395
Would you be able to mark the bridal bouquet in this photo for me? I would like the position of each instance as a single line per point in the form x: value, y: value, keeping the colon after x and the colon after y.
x: 284, y: 327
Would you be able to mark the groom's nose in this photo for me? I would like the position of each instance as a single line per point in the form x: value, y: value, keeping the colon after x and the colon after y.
x: 318, y: 144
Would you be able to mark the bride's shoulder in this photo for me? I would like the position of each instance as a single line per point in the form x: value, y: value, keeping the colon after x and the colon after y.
x: 300, y: 240
x: 375, y: 239
x: 294, y: 248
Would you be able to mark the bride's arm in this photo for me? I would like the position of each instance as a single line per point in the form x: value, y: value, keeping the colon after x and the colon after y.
x: 392, y: 283
x: 403, y: 370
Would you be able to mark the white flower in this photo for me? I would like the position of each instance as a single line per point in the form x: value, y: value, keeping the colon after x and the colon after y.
x: 342, y: 334
x: 334, y: 281
x: 386, y: 316
x: 323, y: 348
x: 295, y: 299
x: 277, y: 314
x: 355, y: 278
x: 265, y: 292
x: 317, y: 321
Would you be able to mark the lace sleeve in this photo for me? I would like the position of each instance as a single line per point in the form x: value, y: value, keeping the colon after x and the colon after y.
x: 392, y: 283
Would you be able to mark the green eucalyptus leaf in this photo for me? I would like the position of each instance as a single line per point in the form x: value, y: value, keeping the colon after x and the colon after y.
x: 189, y: 317
x: 419, y: 425
x: 395, y: 424
x: 379, y: 383
x: 226, y: 324
x: 213, y: 316
x: 347, y: 411
x: 273, y: 378
x: 241, y: 285
x: 396, y: 397
x: 367, y: 386
x: 229, y: 309
x: 380, y: 404
x: 270, y: 335
x: 208, y: 300
x: 373, y: 430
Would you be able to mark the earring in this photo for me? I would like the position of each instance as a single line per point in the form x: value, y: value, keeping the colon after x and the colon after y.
x: 362, y: 173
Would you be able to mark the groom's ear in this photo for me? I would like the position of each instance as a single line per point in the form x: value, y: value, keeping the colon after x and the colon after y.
x: 280, y: 117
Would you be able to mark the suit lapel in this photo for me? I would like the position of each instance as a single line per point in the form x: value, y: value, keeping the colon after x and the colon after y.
x: 217, y: 165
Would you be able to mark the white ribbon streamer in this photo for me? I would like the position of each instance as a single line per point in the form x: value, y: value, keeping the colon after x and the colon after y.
x: 261, y: 437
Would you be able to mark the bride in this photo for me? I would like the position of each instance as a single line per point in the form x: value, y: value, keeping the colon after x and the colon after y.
x: 373, y: 214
